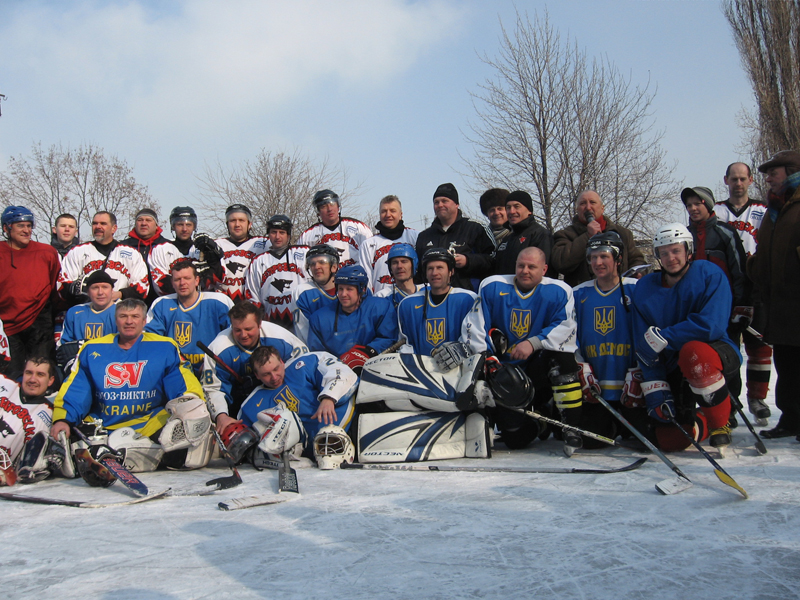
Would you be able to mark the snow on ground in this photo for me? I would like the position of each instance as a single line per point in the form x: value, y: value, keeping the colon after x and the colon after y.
x: 411, y: 535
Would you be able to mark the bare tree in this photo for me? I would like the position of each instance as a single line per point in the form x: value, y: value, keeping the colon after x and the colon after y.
x: 767, y: 35
x: 80, y: 181
x: 552, y: 123
x: 272, y: 183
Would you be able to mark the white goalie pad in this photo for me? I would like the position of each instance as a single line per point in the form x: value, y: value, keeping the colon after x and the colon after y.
x: 141, y: 454
x: 279, y: 428
x: 418, y: 436
x: 188, y: 425
x: 411, y: 382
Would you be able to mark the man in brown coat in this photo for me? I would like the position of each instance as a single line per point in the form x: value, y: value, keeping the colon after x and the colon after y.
x: 569, y: 248
x: 775, y: 268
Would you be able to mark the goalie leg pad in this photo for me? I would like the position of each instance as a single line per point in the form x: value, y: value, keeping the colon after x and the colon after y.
x: 41, y: 457
x: 199, y: 455
x: 478, y: 443
x: 140, y: 453
x: 411, y: 436
x: 279, y: 428
x: 188, y: 425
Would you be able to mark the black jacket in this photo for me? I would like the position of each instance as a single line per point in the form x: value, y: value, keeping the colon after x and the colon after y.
x: 523, y: 235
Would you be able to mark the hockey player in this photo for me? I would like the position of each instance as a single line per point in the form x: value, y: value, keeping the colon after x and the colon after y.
x: 297, y: 398
x: 745, y: 215
x: 189, y: 316
x: 89, y: 321
x: 391, y: 231
x: 234, y: 346
x: 104, y: 253
x: 239, y: 248
x: 441, y: 318
x: 29, y: 272
x: 534, y: 316
x: 273, y: 275
x: 322, y: 263
x: 358, y: 326
x: 5, y: 356
x: 183, y: 222
x: 144, y: 237
x: 141, y: 389
x: 403, y: 262
x: 344, y: 234
x: 604, y: 317
x: 680, y: 321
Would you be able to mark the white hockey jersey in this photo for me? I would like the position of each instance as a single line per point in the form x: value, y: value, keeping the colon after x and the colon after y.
x: 374, y: 254
x: 161, y: 260
x: 124, y: 264
x: 235, y: 262
x: 347, y: 237
x: 270, y: 280
x: 746, y: 221
x: 5, y: 354
x: 19, y: 422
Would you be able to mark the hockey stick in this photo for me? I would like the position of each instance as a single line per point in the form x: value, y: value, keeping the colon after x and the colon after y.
x: 81, y: 503
x: 718, y: 470
x: 224, y: 483
x: 760, y: 447
x: 536, y: 416
x: 393, y: 348
x: 113, y: 466
x: 220, y: 362
x: 752, y: 331
x: 665, y: 487
x: 249, y: 501
x: 287, y: 476
x: 415, y: 467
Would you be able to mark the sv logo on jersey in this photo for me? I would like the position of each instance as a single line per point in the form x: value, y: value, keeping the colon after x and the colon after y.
x: 287, y: 398
x: 183, y: 333
x: 93, y: 331
x: 604, y: 319
x: 520, y: 323
x: 434, y: 331
x: 121, y: 374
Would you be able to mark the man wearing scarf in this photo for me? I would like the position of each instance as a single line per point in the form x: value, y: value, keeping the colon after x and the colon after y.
x: 146, y: 235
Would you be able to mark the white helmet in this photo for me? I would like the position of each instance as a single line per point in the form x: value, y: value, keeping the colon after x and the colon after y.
x: 332, y: 447
x: 674, y: 233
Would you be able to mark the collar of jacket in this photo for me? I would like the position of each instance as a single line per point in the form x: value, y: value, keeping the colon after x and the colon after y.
x: 149, y: 241
x: 524, y: 224
x: 438, y: 224
x: 393, y: 233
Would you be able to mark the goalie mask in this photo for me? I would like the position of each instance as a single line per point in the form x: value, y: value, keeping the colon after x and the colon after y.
x: 332, y: 447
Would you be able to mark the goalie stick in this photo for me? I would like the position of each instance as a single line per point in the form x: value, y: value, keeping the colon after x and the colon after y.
x: 250, y: 501
x: 121, y: 474
x: 416, y: 467
x: 721, y: 474
x: 668, y: 486
x: 287, y: 476
x: 230, y: 481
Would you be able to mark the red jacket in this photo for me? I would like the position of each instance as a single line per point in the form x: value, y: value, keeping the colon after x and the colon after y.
x: 27, y: 281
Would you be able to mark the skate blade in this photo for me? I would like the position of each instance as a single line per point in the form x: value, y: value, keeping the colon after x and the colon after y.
x: 762, y: 422
x: 674, y: 485
x: 569, y: 450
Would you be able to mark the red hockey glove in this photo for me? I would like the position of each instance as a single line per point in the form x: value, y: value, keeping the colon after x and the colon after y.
x: 357, y: 356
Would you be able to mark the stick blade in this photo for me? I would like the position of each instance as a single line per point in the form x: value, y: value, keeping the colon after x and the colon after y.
x: 287, y: 477
x: 728, y: 480
x: 674, y: 485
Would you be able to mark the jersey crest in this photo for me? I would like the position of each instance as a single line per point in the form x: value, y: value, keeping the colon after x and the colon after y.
x: 183, y: 332
x: 604, y: 319
x: 124, y: 374
x: 435, y: 331
x: 288, y: 399
x: 520, y: 323
x: 93, y: 331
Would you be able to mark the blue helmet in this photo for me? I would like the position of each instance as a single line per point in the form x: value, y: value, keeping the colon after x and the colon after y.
x: 353, y: 275
x: 17, y: 214
x: 403, y: 250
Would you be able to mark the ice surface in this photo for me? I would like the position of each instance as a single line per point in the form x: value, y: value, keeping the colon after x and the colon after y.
x: 412, y: 535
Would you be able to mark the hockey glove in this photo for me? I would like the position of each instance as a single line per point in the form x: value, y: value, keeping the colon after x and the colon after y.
x: 242, y: 388
x: 742, y: 316
x: 210, y: 250
x: 590, y: 388
x: 450, y: 355
x: 653, y: 344
x: 77, y: 293
x: 499, y: 341
x: 632, y: 395
x: 658, y: 398
x: 357, y: 356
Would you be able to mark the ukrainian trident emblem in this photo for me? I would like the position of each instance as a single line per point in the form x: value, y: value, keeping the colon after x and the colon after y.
x: 604, y: 318
x: 93, y: 331
x: 434, y: 330
x: 520, y: 323
x: 183, y: 333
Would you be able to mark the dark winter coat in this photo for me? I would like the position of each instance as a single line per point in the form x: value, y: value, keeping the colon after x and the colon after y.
x: 719, y: 243
x: 775, y: 269
x: 464, y: 236
x: 569, y: 251
x: 523, y: 235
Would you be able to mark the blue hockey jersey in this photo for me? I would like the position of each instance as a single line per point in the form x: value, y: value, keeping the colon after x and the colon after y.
x: 307, y: 298
x: 373, y: 324
x: 84, y: 323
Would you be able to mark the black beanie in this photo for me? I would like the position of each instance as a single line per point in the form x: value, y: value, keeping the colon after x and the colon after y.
x: 446, y: 190
x: 523, y: 198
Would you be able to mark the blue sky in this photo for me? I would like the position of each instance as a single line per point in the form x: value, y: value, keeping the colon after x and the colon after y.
x: 381, y: 87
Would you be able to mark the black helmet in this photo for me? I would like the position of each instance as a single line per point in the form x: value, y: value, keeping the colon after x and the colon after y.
x: 607, y: 242
x: 323, y: 197
x: 180, y: 214
x: 511, y: 386
x: 281, y: 222
x: 438, y: 254
x: 234, y: 208
x: 323, y: 250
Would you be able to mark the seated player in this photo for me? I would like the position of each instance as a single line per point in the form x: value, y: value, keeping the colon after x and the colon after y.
x: 141, y: 390
x: 604, y: 315
x: 188, y: 315
x: 88, y: 321
x: 296, y: 400
x: 358, y: 326
x: 680, y: 335
x: 322, y: 262
x: 531, y: 321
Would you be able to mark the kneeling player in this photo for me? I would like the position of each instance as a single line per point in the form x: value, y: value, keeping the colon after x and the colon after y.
x: 296, y: 401
x: 140, y: 388
x: 680, y: 334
